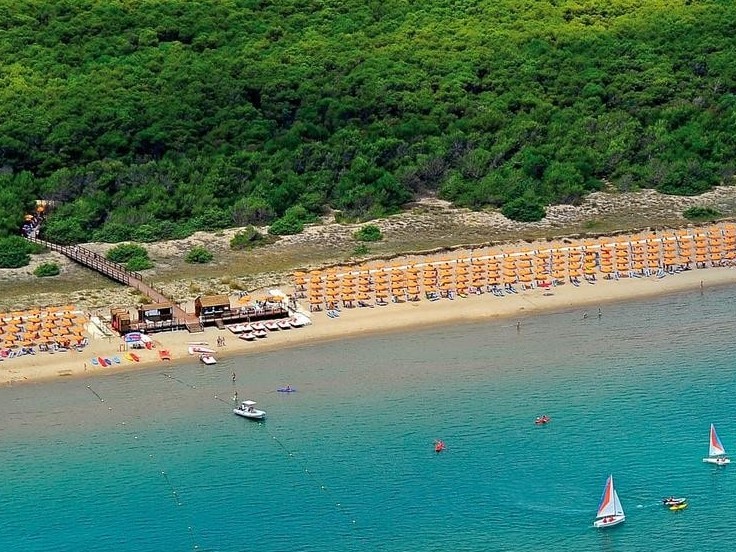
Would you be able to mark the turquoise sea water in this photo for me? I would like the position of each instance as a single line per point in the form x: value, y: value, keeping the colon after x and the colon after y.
x: 347, y: 462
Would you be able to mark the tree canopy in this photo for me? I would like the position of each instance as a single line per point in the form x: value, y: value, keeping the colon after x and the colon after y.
x: 153, y: 119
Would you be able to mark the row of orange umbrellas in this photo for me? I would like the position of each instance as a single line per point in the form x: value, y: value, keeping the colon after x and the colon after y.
x: 499, y: 267
x: 63, y: 324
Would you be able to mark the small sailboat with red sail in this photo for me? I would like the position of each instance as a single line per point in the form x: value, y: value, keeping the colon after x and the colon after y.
x: 610, y: 511
x: 716, y: 452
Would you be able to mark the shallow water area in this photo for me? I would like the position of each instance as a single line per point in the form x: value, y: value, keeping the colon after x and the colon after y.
x: 156, y: 460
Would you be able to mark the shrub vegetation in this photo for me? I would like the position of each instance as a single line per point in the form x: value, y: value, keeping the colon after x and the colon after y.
x: 147, y: 121
x: 248, y: 238
x: 47, y: 269
x: 126, y: 251
x: 701, y: 214
x: 368, y: 233
x: 199, y: 255
x: 133, y: 256
x: 15, y: 252
x: 135, y: 264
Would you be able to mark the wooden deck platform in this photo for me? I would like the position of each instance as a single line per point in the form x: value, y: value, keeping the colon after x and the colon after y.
x: 119, y: 273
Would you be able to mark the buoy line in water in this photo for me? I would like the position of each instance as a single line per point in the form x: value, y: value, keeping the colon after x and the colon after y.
x: 175, y: 494
x: 324, y: 488
x: 96, y: 394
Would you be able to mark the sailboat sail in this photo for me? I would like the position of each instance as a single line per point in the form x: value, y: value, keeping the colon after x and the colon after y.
x: 617, y: 508
x: 610, y: 511
x: 716, y: 447
x: 607, y: 506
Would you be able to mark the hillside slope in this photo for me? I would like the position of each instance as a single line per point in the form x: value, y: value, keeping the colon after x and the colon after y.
x: 153, y: 119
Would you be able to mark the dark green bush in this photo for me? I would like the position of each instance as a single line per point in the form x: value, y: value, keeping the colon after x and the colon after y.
x: 701, y: 214
x: 47, y: 269
x: 64, y: 231
x: 286, y: 226
x: 199, y: 255
x: 138, y: 263
x: 125, y: 252
x: 292, y: 222
x: 247, y: 238
x: 113, y: 233
x: 15, y: 252
x: 212, y: 219
x: 523, y: 210
x: 368, y: 233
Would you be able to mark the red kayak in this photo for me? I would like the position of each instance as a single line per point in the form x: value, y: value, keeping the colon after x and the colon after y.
x: 439, y: 446
x: 541, y: 420
x: 102, y: 362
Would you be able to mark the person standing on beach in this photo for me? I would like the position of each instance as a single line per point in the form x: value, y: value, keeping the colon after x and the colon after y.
x: 233, y: 377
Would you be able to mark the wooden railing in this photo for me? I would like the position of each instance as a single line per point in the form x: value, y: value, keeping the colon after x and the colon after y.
x: 93, y: 260
x: 119, y: 273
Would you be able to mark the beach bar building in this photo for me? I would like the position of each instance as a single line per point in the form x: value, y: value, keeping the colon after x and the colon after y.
x: 216, y: 310
x: 121, y: 322
x: 156, y: 313
x: 211, y: 307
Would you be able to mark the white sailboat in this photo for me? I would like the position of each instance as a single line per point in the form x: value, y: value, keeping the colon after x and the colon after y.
x: 610, y: 511
x: 716, y: 452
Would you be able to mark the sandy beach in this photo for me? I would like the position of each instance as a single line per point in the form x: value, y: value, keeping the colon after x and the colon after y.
x: 360, y: 321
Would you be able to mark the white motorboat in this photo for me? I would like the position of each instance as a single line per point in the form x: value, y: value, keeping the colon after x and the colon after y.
x: 283, y: 325
x: 247, y: 336
x: 207, y: 359
x: 247, y: 410
x: 258, y: 326
x: 716, y: 452
x: 199, y: 350
x: 261, y: 333
x: 296, y: 322
x: 610, y: 511
x: 271, y: 326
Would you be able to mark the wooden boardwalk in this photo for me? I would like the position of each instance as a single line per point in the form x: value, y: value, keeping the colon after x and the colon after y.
x: 119, y: 273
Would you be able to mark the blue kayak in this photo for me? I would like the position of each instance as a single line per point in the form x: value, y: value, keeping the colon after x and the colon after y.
x: 287, y: 389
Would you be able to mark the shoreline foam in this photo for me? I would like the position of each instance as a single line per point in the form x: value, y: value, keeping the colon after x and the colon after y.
x: 362, y: 321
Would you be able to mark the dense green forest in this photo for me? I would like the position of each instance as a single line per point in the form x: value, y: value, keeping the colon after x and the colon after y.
x: 150, y: 119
